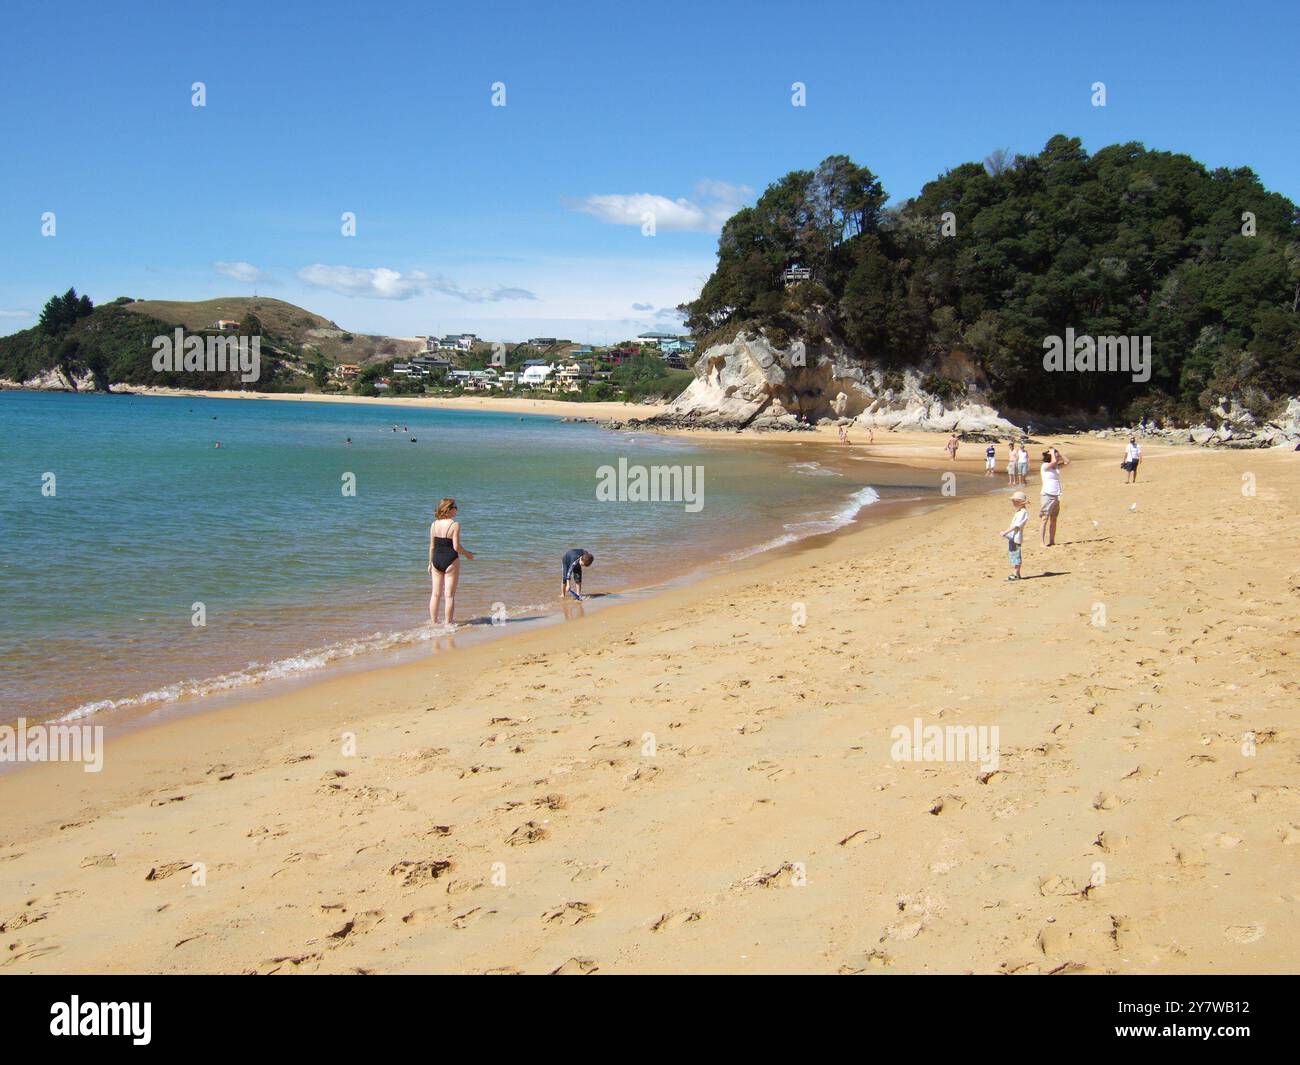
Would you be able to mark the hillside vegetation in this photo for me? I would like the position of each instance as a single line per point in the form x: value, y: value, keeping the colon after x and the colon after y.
x: 114, y: 342
x: 990, y: 259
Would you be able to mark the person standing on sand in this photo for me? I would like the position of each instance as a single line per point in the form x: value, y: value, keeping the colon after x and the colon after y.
x: 445, y: 552
x: 1050, y: 509
x: 990, y: 460
x: 1022, y: 464
x: 951, y: 447
x: 1132, y: 456
x: 1015, y: 534
x: 1012, y: 459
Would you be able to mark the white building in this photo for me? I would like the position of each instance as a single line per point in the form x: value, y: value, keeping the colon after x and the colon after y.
x: 656, y: 338
x: 535, y: 376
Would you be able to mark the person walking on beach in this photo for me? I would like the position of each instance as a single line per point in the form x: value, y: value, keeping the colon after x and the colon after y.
x: 1022, y: 463
x: 445, y: 553
x: 1132, y: 456
x: 1015, y: 533
x: 1013, y: 457
x: 951, y: 447
x: 574, y: 561
x: 1050, y: 509
x: 990, y: 460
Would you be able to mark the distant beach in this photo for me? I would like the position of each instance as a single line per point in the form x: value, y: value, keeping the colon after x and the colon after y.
x: 499, y: 404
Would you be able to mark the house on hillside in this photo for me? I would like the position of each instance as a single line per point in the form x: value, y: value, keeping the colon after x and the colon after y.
x: 457, y: 342
x: 655, y: 339
x: 536, y: 374
x: 226, y: 323
x: 431, y: 367
x: 573, y: 376
x: 345, y: 371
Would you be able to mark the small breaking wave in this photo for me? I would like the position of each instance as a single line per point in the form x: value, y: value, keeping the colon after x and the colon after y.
x: 801, y: 530
x: 814, y: 469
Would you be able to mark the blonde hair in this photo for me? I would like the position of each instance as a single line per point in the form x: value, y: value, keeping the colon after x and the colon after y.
x: 445, y: 507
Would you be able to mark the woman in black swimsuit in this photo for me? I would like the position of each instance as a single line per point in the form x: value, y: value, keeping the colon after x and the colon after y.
x: 445, y: 553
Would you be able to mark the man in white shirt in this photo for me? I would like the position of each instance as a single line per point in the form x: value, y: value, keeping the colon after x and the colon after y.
x: 1132, y: 456
x: 1050, y: 510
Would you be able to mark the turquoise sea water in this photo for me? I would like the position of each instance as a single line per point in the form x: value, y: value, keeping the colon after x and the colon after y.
x: 99, y: 581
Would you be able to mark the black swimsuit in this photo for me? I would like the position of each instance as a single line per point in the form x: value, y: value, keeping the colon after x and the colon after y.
x: 443, y: 553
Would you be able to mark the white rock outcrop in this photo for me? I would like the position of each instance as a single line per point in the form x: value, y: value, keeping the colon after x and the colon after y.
x: 749, y: 383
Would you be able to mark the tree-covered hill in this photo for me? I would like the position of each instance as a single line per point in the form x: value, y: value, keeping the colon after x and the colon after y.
x: 115, y: 341
x: 116, y: 345
x: 990, y: 259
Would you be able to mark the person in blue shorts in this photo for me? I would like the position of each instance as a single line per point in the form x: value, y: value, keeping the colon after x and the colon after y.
x: 1015, y: 534
x: 574, y: 562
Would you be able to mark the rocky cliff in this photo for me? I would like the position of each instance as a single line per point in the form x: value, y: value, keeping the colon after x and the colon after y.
x: 750, y: 383
x: 55, y: 380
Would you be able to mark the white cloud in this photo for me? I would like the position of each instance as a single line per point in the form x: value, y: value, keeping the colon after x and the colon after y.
x: 714, y: 203
x: 240, y: 271
x: 482, y: 295
x: 643, y: 306
x: 16, y: 314
x: 385, y: 284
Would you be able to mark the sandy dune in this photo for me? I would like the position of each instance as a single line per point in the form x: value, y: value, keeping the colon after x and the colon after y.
x: 695, y: 784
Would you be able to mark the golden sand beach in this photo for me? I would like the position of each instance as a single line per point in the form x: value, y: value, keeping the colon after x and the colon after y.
x: 696, y: 783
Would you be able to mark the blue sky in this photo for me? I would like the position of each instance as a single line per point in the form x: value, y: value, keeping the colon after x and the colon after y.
x: 526, y: 219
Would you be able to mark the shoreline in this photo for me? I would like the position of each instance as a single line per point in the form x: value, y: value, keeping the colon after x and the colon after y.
x: 146, y: 709
x: 768, y: 798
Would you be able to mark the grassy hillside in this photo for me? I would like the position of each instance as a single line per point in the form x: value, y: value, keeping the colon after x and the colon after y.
x: 299, y: 330
x: 115, y: 342
x: 116, y: 346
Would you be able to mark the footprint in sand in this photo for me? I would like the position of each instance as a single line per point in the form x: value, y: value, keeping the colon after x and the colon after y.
x: 470, y: 917
x: 528, y: 832
x: 668, y: 921
x: 861, y: 836
x: 419, y: 872
x: 1244, y: 933
x: 569, y: 914
x: 586, y: 872
x: 101, y: 861
x: 576, y: 967
x: 784, y: 876
x: 25, y: 950
x: 358, y: 925
x: 162, y: 872
x: 271, y: 966
x: 423, y: 915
